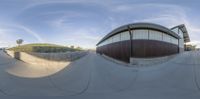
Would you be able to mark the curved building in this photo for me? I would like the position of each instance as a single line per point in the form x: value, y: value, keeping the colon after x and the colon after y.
x: 143, y: 40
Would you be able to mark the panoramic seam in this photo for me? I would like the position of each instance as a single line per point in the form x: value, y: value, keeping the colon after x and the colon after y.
x: 195, y: 76
x: 1, y: 90
x: 76, y: 93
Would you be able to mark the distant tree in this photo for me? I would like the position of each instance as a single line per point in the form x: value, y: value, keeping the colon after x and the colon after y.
x: 72, y: 47
x: 78, y: 48
x: 194, y: 47
x: 19, y: 42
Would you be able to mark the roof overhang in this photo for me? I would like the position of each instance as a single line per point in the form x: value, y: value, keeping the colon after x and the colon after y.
x: 185, y: 32
x: 140, y: 26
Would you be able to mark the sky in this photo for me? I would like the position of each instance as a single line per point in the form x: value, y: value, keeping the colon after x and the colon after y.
x: 84, y: 22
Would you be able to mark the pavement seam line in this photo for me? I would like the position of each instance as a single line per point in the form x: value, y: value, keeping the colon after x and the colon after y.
x: 76, y: 93
x: 195, y: 75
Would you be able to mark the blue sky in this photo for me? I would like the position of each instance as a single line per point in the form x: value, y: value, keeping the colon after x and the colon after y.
x: 84, y: 22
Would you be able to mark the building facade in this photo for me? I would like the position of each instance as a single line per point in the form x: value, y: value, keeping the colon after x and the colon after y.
x: 143, y: 40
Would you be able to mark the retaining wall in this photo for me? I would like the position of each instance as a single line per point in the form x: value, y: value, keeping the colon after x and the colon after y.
x: 46, y: 58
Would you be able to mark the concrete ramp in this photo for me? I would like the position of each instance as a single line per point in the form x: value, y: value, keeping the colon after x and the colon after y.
x: 25, y: 70
x: 22, y: 79
x: 94, y: 76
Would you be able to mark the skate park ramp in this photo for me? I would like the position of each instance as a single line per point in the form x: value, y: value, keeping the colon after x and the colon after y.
x: 93, y: 76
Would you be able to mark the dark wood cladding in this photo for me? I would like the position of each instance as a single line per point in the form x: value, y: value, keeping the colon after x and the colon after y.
x: 140, y: 49
x: 119, y: 50
x: 152, y: 48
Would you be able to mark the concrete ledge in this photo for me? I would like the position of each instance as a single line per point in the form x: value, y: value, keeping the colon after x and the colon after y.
x: 141, y: 62
x: 116, y: 61
x: 47, y: 58
x: 150, y: 61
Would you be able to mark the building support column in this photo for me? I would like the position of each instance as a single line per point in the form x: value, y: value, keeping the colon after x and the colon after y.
x: 131, y: 45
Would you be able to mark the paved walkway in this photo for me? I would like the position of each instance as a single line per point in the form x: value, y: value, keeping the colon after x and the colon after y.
x: 95, y: 77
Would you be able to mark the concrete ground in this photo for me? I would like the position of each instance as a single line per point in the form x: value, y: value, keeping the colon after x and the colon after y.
x: 96, y: 77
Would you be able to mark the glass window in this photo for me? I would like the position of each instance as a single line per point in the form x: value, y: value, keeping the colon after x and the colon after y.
x: 140, y: 34
x: 112, y: 39
x: 155, y: 35
x: 180, y: 33
x: 106, y: 42
x: 125, y: 36
x: 102, y: 43
x: 166, y: 38
x: 174, y: 40
x: 109, y: 40
x: 175, y: 30
x: 181, y: 43
x: 115, y: 38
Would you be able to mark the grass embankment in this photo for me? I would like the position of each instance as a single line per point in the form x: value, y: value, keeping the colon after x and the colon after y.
x: 43, y: 48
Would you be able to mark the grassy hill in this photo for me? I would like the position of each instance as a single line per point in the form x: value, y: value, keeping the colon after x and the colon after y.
x: 42, y: 48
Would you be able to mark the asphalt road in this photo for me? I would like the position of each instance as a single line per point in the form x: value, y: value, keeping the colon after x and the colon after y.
x: 96, y: 77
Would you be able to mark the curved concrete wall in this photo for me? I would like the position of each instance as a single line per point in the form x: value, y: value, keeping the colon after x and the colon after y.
x: 46, y: 58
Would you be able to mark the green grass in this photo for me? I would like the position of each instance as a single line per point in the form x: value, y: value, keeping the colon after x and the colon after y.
x: 42, y: 48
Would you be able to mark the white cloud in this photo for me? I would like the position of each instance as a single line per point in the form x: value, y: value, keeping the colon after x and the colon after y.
x: 149, y: 6
x: 66, y: 16
x: 197, y: 43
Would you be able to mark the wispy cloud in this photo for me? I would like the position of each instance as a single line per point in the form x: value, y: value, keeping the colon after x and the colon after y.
x: 170, y: 16
x: 85, y: 22
x: 31, y: 32
x: 84, y: 37
x: 10, y: 33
